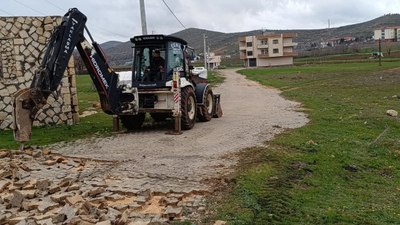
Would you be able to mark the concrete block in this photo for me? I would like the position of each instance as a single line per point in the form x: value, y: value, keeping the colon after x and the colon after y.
x: 48, y: 20
x: 47, y: 205
x: 36, y: 23
x: 16, y: 220
x: 28, y: 194
x: 23, y: 34
x: 17, y: 199
x: 4, y: 184
x: 43, y: 184
x: 74, y: 199
x: 48, y: 27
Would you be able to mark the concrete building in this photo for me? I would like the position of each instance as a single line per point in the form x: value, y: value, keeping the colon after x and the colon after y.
x: 267, y: 50
x: 332, y: 42
x: 213, y: 61
x: 390, y: 34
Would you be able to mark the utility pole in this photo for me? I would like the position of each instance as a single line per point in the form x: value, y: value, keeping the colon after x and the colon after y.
x: 205, y: 51
x: 379, y: 53
x: 143, y: 17
x: 208, y: 56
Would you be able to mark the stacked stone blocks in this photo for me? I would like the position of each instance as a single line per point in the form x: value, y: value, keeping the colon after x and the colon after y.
x: 22, y: 42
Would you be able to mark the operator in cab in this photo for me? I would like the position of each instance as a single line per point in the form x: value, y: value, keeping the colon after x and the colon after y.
x: 156, y: 66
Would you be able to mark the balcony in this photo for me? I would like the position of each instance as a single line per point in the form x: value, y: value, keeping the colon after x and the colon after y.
x: 289, y: 44
x: 263, y: 56
x: 262, y: 46
x: 290, y: 54
x: 242, y: 54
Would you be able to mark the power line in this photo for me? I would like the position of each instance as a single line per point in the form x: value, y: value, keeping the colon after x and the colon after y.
x: 27, y: 6
x: 58, y: 7
x: 96, y: 27
x: 8, y: 13
x: 109, y: 32
x: 173, y: 14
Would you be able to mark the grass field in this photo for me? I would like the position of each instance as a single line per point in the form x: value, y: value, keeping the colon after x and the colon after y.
x: 341, y: 168
x: 95, y: 125
x: 99, y: 124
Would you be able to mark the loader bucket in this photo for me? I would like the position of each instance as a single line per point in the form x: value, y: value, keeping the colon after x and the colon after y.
x: 22, y: 116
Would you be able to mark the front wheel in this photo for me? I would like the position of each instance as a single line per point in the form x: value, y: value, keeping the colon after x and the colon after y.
x: 205, y: 111
x: 188, y: 108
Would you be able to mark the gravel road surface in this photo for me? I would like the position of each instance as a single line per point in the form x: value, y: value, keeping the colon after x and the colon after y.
x: 142, y: 177
x: 252, y: 115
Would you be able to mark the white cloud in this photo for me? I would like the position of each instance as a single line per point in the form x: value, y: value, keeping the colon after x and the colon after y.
x: 120, y: 19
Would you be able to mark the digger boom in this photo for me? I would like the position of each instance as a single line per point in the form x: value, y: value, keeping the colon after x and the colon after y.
x: 150, y: 90
x: 68, y: 35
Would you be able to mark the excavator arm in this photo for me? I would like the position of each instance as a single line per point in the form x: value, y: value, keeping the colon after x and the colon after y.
x: 68, y: 35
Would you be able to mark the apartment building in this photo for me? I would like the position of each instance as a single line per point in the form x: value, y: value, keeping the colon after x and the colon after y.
x: 267, y: 50
x: 391, y: 34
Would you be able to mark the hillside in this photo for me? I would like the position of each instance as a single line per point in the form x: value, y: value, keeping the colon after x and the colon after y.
x: 227, y: 43
x: 110, y: 44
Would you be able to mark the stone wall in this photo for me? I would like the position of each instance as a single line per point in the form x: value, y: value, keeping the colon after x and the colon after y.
x: 22, y: 42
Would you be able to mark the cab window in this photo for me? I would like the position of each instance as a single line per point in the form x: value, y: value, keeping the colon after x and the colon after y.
x: 175, y: 58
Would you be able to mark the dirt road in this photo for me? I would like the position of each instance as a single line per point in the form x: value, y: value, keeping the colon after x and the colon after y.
x: 162, y: 177
x: 252, y: 115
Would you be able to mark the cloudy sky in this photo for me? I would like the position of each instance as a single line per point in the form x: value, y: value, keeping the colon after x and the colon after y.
x: 120, y: 19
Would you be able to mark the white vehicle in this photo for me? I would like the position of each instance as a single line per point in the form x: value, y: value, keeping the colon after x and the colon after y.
x: 200, y: 71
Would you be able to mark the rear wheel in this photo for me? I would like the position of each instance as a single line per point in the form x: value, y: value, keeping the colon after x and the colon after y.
x: 205, y: 111
x: 132, y: 122
x: 188, y: 108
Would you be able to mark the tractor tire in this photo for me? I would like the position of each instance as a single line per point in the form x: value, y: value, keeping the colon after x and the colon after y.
x: 205, y: 111
x: 188, y: 108
x: 133, y: 122
x: 160, y: 117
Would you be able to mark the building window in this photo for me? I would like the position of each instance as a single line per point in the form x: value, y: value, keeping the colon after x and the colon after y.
x: 264, y: 42
x: 249, y: 44
x: 264, y: 51
x: 250, y: 53
x: 275, y: 41
x: 276, y: 50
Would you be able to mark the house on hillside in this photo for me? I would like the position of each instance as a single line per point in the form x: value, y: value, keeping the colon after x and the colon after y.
x: 388, y: 34
x: 267, y: 49
x: 346, y: 40
x: 213, y: 61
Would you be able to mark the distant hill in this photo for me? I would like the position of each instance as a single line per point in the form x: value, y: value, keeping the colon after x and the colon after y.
x: 110, y: 44
x: 227, y: 43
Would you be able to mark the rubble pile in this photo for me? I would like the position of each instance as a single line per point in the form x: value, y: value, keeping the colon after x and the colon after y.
x: 38, y: 187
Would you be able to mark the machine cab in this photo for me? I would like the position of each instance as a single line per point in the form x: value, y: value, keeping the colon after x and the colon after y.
x: 155, y: 57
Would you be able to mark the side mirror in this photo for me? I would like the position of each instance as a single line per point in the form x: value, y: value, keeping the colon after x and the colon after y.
x: 191, y: 67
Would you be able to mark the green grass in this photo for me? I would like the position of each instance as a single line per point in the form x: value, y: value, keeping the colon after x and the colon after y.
x: 215, y: 78
x: 99, y: 124
x: 94, y: 125
x: 341, y: 168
